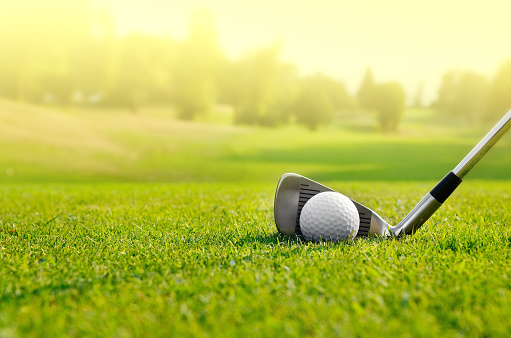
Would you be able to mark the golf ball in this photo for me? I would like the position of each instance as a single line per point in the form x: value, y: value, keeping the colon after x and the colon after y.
x: 329, y: 216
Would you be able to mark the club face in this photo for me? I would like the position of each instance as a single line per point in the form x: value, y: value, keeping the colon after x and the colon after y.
x: 294, y: 190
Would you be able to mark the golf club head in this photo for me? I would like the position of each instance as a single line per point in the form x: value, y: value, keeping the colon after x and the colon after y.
x: 294, y: 190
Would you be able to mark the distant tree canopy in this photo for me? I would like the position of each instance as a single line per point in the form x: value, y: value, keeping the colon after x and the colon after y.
x: 390, y: 103
x: 365, y: 92
x: 314, y: 105
x: 196, y: 68
x: 265, y: 91
x: 417, y: 99
x: 148, y: 60
x: 499, y: 97
x: 463, y: 94
x: 472, y: 96
x: 259, y: 87
x: 387, y: 99
x: 38, y: 40
x: 67, y: 53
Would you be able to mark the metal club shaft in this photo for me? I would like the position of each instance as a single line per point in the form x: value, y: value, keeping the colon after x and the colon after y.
x: 483, y: 146
x: 437, y: 196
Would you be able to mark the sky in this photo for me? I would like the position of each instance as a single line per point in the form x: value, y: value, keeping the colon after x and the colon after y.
x: 413, y: 42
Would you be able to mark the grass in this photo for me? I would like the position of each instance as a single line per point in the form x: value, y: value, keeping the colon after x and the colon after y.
x: 205, y: 259
x: 139, y: 225
x: 48, y: 145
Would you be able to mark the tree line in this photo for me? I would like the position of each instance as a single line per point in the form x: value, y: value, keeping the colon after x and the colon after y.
x: 70, y: 55
x: 473, y: 96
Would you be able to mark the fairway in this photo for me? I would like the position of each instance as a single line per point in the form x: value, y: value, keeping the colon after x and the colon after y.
x: 118, y: 224
x: 51, y: 145
x: 206, y: 259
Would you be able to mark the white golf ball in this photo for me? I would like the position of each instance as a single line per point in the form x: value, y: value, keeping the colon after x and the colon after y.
x: 329, y: 216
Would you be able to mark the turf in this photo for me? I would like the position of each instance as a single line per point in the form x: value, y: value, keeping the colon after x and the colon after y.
x: 206, y: 260
x: 116, y: 224
x: 50, y: 145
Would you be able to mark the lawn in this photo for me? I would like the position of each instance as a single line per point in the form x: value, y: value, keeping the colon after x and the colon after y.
x: 49, y: 145
x: 206, y: 259
x: 139, y: 225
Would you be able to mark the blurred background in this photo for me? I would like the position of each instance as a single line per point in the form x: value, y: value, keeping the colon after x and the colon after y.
x: 225, y: 90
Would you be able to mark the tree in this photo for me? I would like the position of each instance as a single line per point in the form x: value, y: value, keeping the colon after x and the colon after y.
x: 336, y: 92
x: 499, y: 100
x: 366, y: 90
x: 260, y: 87
x: 417, y: 99
x: 389, y: 100
x: 38, y: 40
x: 472, y: 95
x: 94, y: 65
x: 463, y: 94
x: 195, y: 74
x: 143, y: 66
x: 314, y: 105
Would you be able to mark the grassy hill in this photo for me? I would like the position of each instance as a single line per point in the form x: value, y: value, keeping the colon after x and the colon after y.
x: 74, y: 145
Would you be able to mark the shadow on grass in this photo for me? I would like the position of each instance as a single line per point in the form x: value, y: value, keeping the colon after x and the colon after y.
x: 273, y: 239
x: 391, y: 161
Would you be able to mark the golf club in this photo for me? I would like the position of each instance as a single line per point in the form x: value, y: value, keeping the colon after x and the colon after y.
x: 294, y: 190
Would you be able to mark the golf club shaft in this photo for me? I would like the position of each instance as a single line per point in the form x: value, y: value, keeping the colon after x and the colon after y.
x: 483, y: 146
x: 434, y: 199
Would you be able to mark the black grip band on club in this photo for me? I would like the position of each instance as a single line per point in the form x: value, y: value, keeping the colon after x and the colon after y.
x: 445, y: 187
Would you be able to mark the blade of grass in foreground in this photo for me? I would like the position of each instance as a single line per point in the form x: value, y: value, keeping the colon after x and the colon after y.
x: 206, y: 259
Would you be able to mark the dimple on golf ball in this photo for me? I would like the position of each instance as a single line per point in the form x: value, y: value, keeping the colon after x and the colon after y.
x: 329, y: 216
